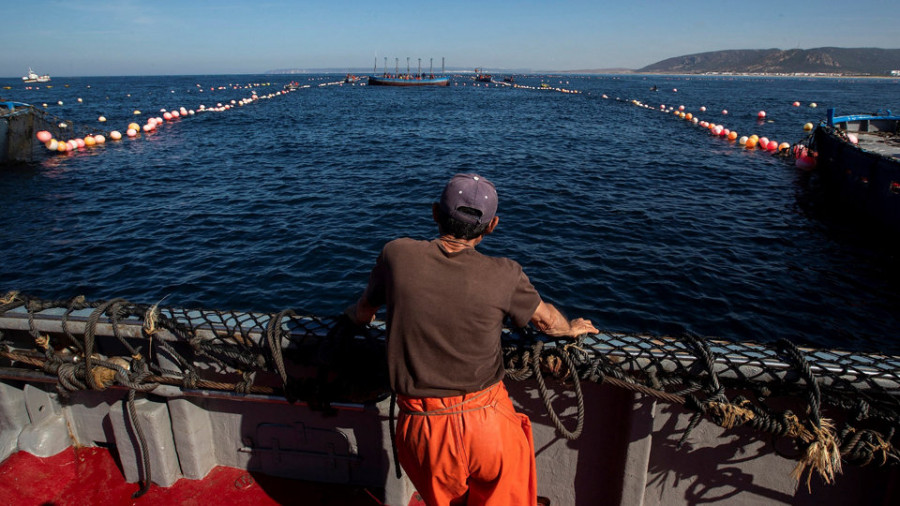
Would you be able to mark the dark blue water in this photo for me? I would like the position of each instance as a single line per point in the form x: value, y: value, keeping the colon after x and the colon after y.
x: 627, y: 216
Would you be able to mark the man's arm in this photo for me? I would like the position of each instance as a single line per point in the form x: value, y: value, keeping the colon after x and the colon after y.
x: 362, y: 312
x: 550, y: 321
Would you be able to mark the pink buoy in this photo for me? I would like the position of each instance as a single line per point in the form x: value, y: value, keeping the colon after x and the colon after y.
x: 772, y: 146
x: 167, y: 116
x: 796, y: 104
x: 79, y: 142
x: 853, y: 138
x: 131, y: 132
x: 115, y: 135
x: 99, y: 139
x: 680, y: 107
x: 763, y: 142
x: 805, y: 162
x: 44, y: 136
x: 761, y: 114
x: 702, y: 108
x: 724, y: 111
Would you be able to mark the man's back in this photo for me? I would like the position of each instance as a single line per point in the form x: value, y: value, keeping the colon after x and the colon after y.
x: 445, y: 315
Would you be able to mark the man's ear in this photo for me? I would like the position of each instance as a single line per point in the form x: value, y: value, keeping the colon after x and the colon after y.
x: 492, y: 225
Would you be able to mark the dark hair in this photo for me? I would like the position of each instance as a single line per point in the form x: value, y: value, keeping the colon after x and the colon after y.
x: 460, y: 229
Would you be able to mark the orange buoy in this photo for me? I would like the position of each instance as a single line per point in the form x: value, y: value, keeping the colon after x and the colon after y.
x: 732, y: 135
x: 807, y: 127
x: 751, y: 143
x: 89, y: 141
x: 134, y: 126
x: 783, y: 147
x: 688, y: 116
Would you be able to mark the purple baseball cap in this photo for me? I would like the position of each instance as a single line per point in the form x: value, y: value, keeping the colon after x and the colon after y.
x: 469, y: 190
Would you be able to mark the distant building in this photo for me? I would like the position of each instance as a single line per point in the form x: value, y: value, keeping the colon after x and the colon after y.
x: 895, y: 72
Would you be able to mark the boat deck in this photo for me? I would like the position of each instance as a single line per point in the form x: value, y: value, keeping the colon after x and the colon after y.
x: 883, y: 143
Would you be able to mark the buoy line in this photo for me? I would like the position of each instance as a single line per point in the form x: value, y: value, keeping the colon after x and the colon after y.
x: 804, y: 158
x: 135, y: 130
x: 543, y: 87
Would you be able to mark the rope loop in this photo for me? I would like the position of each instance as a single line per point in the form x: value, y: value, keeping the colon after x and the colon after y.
x: 545, y: 393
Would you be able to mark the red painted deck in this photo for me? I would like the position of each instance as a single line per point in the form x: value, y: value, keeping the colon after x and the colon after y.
x: 79, y: 476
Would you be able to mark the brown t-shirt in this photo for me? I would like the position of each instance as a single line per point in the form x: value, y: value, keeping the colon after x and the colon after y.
x: 445, y: 315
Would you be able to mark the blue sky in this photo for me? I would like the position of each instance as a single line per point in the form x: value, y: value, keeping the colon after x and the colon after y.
x: 163, y: 37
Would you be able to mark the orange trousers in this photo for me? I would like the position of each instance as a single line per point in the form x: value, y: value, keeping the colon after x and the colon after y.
x: 473, y: 449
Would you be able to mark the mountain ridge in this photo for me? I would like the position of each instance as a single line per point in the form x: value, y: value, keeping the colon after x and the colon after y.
x: 823, y: 60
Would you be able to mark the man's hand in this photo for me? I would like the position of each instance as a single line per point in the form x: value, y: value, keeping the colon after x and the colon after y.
x: 550, y: 321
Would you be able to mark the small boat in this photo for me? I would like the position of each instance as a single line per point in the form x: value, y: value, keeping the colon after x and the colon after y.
x: 509, y: 79
x: 482, y: 77
x: 33, y: 77
x: 858, y: 160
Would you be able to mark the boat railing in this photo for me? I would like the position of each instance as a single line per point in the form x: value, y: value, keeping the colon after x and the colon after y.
x: 884, y: 114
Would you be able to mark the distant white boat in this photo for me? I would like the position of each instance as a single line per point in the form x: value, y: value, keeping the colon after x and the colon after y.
x: 32, y: 77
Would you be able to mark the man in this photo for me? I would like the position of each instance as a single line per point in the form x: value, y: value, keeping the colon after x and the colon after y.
x: 459, y: 439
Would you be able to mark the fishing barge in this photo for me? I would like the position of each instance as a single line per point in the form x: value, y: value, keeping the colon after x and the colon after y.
x: 177, y: 394
x: 408, y: 79
x: 858, y: 159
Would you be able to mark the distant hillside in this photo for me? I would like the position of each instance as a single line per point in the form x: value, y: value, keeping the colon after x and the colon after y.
x: 828, y: 60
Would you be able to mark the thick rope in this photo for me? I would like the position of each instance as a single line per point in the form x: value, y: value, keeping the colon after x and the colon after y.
x: 545, y: 394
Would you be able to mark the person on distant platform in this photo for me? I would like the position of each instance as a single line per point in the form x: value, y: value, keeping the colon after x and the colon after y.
x: 459, y: 437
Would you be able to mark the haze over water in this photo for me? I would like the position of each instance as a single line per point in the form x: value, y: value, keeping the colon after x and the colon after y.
x: 627, y: 216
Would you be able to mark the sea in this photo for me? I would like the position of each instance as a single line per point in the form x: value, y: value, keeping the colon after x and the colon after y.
x: 618, y: 210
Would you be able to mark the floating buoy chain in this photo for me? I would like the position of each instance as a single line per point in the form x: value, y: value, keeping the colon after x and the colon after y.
x: 89, y: 138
